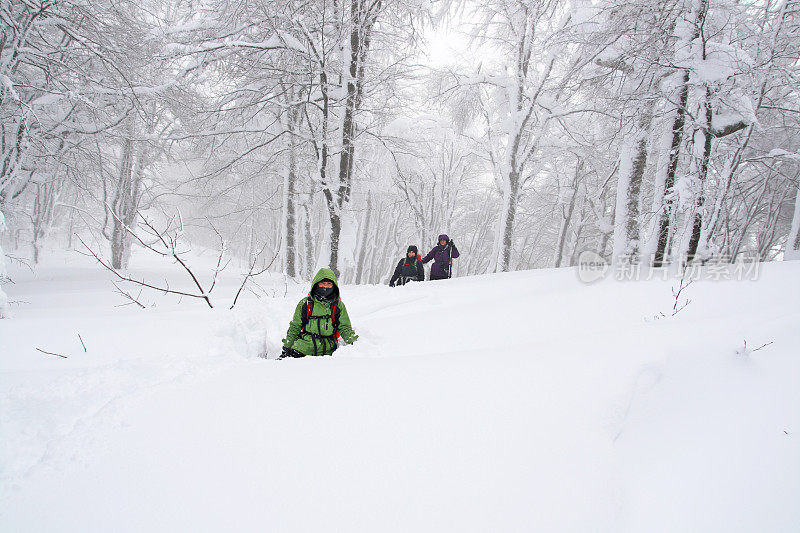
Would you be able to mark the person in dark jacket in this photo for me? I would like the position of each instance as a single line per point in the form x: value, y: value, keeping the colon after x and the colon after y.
x: 408, y: 269
x: 442, y: 255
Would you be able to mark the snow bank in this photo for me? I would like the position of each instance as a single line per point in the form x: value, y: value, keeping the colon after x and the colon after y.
x: 510, y: 402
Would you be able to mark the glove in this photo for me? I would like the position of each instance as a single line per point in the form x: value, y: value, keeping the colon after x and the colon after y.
x: 452, y: 243
x: 351, y: 340
x: 288, y: 352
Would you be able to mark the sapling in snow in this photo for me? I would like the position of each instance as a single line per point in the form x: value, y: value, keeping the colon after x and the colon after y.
x: 744, y: 351
x: 678, y: 305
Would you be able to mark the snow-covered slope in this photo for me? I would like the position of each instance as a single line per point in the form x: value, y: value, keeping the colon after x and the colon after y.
x: 525, y: 401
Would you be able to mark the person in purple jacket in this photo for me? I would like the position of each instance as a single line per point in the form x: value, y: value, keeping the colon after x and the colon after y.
x: 442, y: 255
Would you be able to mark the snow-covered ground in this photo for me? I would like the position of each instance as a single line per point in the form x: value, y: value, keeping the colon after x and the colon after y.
x: 525, y: 401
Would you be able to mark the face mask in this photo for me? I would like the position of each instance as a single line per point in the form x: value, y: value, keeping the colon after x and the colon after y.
x: 323, y: 293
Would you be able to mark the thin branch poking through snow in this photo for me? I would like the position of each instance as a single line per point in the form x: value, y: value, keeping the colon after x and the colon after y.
x: 165, y: 290
x: 51, y: 353
x: 251, y: 274
x: 131, y: 299
x: 745, y: 351
x: 677, y: 307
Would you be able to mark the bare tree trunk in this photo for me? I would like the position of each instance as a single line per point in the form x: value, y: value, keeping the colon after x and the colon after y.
x: 384, y: 259
x: 122, y: 204
x: 363, y: 15
x: 752, y: 211
x: 709, y: 227
x: 702, y: 150
x: 686, y: 30
x: 632, y: 164
x: 128, y: 195
x: 702, y: 141
x: 566, y: 217
x: 289, y: 198
x: 309, y: 242
x: 5, y: 311
x: 766, y: 239
x: 509, y: 213
x: 792, y: 250
x: 665, y: 212
x: 573, y: 259
x: 365, y: 240
x: 729, y: 171
x: 43, y: 208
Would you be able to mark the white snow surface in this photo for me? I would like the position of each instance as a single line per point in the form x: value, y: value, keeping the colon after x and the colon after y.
x: 524, y: 401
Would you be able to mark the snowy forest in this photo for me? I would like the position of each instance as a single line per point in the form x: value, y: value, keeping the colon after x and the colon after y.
x: 205, y: 326
x: 289, y: 135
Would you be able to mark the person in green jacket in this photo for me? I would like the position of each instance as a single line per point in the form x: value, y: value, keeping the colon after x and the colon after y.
x: 319, y: 320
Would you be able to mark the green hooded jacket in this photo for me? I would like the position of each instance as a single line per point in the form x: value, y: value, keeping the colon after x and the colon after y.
x: 318, y: 337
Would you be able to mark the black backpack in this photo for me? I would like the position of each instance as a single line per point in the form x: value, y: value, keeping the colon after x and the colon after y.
x: 409, y: 270
x: 308, y: 309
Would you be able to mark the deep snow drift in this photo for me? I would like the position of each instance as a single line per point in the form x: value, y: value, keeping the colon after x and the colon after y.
x: 514, y: 402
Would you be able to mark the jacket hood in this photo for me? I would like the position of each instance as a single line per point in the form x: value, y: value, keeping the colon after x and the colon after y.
x: 442, y: 236
x: 412, y: 248
x: 326, y: 273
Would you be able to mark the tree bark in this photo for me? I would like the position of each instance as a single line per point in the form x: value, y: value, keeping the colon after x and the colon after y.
x: 121, y: 206
x: 792, y: 249
x: 632, y: 164
x: 665, y: 214
x: 703, y: 137
x: 567, y: 217
x: 363, y: 15
x: 309, y: 257
x: 510, y: 213
x: 365, y: 240
x: 289, y: 201
x: 686, y: 31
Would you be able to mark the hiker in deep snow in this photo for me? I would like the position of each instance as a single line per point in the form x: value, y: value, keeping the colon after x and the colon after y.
x: 319, y: 320
x: 442, y: 255
x: 408, y: 269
